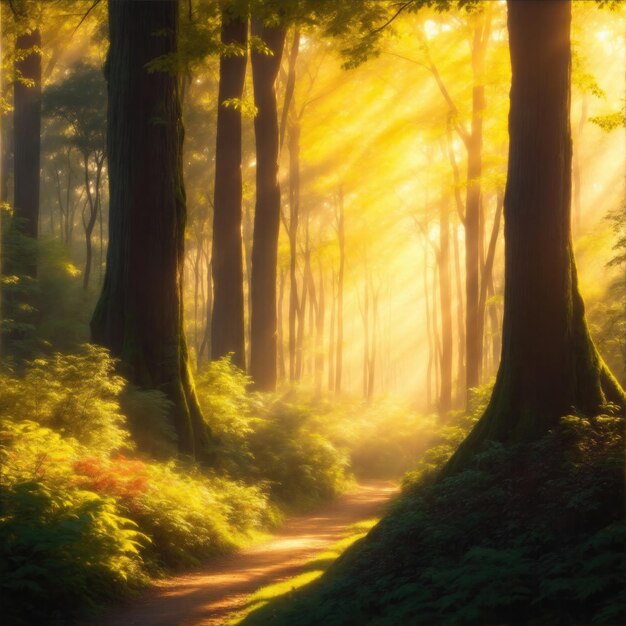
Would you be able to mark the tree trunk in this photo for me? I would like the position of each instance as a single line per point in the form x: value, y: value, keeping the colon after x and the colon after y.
x: 549, y: 366
x: 94, y: 208
x: 487, y: 266
x: 576, y: 182
x: 295, y: 312
x: 228, y: 326
x: 267, y: 210
x: 208, y: 308
x: 473, y: 334
x: 365, y: 314
x: 281, y: 338
x: 460, y: 387
x: 139, y: 316
x: 319, y: 335
x: 331, y: 336
x: 429, y: 332
x: 445, y: 296
x: 26, y: 135
x: 341, y: 236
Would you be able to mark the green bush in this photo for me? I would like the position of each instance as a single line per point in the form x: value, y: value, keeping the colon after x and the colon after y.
x: 61, y: 551
x: 302, y: 466
x: 80, y: 521
x: 230, y: 411
x: 76, y: 395
x: 268, y: 441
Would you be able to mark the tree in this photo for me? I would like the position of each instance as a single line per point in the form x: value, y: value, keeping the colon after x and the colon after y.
x: 550, y: 366
x: 139, y: 314
x: 27, y: 127
x: 263, y: 321
x: 227, y: 322
x: 80, y: 103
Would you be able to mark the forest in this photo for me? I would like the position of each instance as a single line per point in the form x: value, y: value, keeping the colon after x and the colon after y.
x: 312, y: 312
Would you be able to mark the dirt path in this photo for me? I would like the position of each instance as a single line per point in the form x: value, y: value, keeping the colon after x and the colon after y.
x: 210, y: 596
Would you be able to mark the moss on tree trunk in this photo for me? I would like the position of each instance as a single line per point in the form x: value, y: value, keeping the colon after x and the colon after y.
x: 549, y: 366
x: 139, y: 316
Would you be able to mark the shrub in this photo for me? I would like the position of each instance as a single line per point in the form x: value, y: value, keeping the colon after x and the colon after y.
x: 75, y: 395
x: 262, y: 440
x: 79, y: 520
x: 302, y: 466
x: 188, y: 516
x: 229, y: 411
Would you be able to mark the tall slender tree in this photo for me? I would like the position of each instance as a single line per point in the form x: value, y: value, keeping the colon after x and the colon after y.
x: 139, y: 316
x: 27, y: 127
x: 550, y: 366
x: 227, y: 325
x: 265, y: 69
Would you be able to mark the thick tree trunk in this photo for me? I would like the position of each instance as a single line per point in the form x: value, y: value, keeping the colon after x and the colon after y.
x: 26, y: 134
x: 549, y: 365
x: 139, y: 316
x: 267, y: 211
x: 227, y: 328
x: 576, y: 168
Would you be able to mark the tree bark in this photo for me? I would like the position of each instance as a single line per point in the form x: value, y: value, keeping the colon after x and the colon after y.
x: 429, y: 332
x: 267, y: 210
x: 341, y: 237
x: 487, y: 266
x: 549, y: 366
x: 139, y: 316
x: 319, y: 335
x: 474, y: 144
x: 295, y: 311
x: 94, y: 208
x: 27, y: 134
x: 228, y: 326
x: 445, y: 296
x: 331, y: 336
x: 281, y: 338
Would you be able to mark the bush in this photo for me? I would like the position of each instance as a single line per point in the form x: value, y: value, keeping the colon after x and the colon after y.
x: 62, y: 548
x: 79, y: 520
x: 187, y: 515
x: 74, y: 395
x: 61, y: 551
x: 268, y: 441
x: 302, y: 466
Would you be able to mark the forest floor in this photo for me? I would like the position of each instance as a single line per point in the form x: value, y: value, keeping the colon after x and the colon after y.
x: 215, y: 595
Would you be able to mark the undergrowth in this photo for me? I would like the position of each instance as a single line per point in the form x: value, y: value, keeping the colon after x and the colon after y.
x: 528, y: 534
x: 93, y: 500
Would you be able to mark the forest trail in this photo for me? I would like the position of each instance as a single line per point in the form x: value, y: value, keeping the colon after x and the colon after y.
x: 211, y: 596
